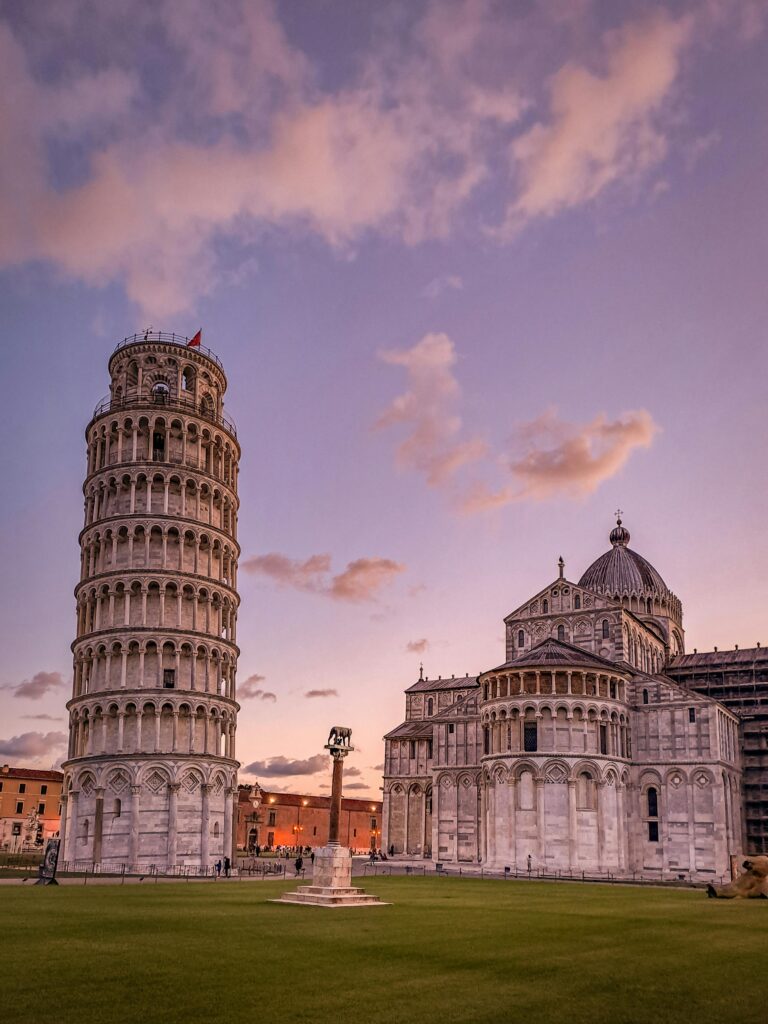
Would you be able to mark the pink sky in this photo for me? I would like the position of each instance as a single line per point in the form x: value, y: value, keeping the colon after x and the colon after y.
x: 479, y: 273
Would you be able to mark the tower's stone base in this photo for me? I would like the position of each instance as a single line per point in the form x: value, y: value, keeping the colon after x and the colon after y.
x: 331, y: 883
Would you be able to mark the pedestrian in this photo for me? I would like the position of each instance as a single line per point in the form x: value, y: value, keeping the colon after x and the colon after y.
x: 299, y: 864
x: 227, y: 867
x: 258, y: 850
x: 392, y: 850
x: 530, y: 863
x: 312, y: 858
x: 218, y: 868
x: 372, y: 857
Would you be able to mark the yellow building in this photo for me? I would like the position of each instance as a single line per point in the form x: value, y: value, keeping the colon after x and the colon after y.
x: 30, y: 806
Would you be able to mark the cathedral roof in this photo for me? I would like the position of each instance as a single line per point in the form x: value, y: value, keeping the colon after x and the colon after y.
x: 622, y: 571
x: 557, y: 652
x: 414, y: 730
x: 454, y: 683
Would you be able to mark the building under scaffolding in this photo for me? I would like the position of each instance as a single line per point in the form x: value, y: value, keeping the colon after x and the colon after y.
x: 739, y: 680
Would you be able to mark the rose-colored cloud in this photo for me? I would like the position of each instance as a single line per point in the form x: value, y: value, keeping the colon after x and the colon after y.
x: 276, y: 767
x: 362, y: 580
x: 30, y: 745
x: 554, y: 458
x: 417, y: 646
x: 427, y: 411
x: 313, y: 694
x: 550, y: 457
x: 251, y: 689
x: 40, y: 684
x: 603, y: 126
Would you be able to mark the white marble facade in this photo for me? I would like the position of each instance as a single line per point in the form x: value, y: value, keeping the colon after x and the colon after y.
x: 578, y: 752
x: 151, y: 775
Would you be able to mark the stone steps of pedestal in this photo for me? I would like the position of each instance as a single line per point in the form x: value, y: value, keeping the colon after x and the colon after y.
x: 317, y: 896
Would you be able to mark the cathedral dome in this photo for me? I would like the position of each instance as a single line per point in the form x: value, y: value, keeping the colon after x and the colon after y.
x: 622, y: 571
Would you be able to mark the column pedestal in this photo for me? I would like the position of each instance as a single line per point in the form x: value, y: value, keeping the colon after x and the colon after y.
x: 331, y: 883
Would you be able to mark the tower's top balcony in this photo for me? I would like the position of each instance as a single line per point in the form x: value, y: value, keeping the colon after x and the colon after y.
x: 166, y: 338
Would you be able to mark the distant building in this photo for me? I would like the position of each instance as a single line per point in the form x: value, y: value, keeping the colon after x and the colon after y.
x: 297, y: 819
x: 598, y: 745
x: 30, y: 806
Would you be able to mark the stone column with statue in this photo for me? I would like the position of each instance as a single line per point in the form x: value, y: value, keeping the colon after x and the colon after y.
x: 332, y: 875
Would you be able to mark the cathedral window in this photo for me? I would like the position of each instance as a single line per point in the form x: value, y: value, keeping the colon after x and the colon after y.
x: 545, y: 606
x: 603, y: 739
x: 430, y: 706
x: 272, y: 819
x: 585, y: 792
x: 117, y: 809
x: 653, y: 802
x: 429, y: 748
x: 412, y: 749
x: 577, y: 602
x: 169, y: 678
x: 520, y: 638
x: 606, y: 631
x: 691, y: 714
x: 486, y: 740
x: 561, y: 632
x: 613, y: 690
x: 158, y: 446
x: 450, y: 729
x: 653, y: 831
x: 530, y: 737
x: 645, y: 696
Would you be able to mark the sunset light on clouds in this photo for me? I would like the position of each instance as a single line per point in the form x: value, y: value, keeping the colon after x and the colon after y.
x: 478, y: 274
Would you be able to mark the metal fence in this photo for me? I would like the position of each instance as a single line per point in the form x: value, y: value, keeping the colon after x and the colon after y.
x: 675, y: 879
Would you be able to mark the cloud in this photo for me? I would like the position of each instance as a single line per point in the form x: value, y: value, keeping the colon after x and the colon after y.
x: 426, y: 410
x: 444, y: 283
x: 321, y: 693
x: 276, y: 767
x: 39, y: 685
x: 550, y: 457
x: 362, y: 580
x: 417, y: 646
x: 358, y: 785
x: 603, y: 126
x: 554, y: 458
x: 32, y: 744
x: 378, y: 767
x: 43, y: 718
x: 251, y: 689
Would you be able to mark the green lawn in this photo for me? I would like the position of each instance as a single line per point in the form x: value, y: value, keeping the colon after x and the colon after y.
x: 447, y: 950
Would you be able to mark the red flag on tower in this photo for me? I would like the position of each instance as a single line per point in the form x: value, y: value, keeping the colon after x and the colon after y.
x: 195, y: 343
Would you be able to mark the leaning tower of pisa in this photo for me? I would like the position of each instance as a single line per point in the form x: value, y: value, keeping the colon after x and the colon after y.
x: 150, y: 777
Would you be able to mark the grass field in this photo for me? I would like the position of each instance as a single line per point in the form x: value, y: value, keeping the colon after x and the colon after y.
x: 447, y: 950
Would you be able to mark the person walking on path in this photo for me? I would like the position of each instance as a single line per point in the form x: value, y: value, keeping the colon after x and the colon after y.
x: 227, y: 866
x: 218, y: 869
x: 299, y: 864
x: 530, y: 865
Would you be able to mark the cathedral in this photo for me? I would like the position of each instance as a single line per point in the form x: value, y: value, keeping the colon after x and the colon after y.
x: 581, y: 752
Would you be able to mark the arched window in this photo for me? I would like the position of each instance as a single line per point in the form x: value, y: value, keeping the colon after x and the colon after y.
x: 606, y: 632
x: 653, y: 802
x: 561, y: 632
x: 430, y: 706
x: 577, y: 602
x: 486, y: 740
x: 485, y: 691
x: 161, y: 392
x: 649, y: 606
x: 545, y: 606
x: 645, y: 696
x: 117, y: 809
x: 520, y: 638
x: 585, y: 792
x: 530, y: 737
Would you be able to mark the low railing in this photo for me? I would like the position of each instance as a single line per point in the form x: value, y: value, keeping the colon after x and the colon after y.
x: 181, y: 403
x: 452, y: 870
x: 167, y: 339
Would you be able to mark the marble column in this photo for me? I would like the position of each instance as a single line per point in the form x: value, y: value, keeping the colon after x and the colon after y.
x: 173, y: 796
x: 205, y: 827
x: 98, y: 826
x: 133, y: 843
